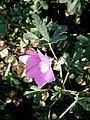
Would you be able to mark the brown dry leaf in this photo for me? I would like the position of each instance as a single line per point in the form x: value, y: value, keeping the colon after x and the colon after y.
x: 23, y: 44
x: 1, y: 64
x: 56, y: 65
x: 17, y: 69
x: 8, y: 100
x: 80, y: 81
x: 45, y: 95
x: 89, y: 70
x: 4, y: 53
x: 42, y: 103
x: 10, y: 58
x: 87, y: 67
x: 35, y: 43
x: 45, y: 49
x: 2, y: 43
x: 12, y: 94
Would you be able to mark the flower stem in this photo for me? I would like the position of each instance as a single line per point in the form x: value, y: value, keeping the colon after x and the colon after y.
x: 52, y: 51
x: 66, y: 77
x: 56, y: 59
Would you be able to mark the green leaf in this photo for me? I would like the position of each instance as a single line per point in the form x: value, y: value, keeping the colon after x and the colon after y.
x: 42, y: 43
x: 77, y: 68
x: 37, y: 97
x: 59, y: 31
x: 28, y: 92
x: 85, y: 102
x: 30, y: 36
x: 52, y: 26
x: 77, y: 55
x: 35, y: 88
x: 73, y: 7
x: 82, y: 42
x: 57, y: 34
x: 87, y: 52
x: 57, y: 88
x: 58, y: 38
x: 44, y: 116
x: 2, y: 104
x: 82, y: 38
x: 79, y: 112
x: 41, y: 26
x: 3, y: 27
x: 44, y: 4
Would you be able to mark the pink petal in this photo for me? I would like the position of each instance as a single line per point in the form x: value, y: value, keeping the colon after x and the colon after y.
x: 44, y: 78
x: 32, y: 62
x: 40, y: 78
x: 49, y: 76
x: 24, y: 58
x: 34, y: 68
x: 43, y: 57
x: 37, y: 75
x: 33, y: 73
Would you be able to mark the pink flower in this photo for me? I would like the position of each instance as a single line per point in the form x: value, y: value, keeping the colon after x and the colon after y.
x: 38, y: 67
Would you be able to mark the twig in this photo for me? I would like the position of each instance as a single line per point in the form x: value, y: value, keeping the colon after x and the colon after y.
x: 8, y: 69
x: 49, y: 114
x: 66, y: 77
x: 61, y: 72
x: 70, y: 91
x: 69, y: 107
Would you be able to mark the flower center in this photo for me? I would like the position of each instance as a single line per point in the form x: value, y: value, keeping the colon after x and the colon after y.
x: 43, y: 67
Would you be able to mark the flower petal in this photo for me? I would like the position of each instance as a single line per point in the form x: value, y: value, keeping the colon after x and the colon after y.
x: 38, y: 67
x: 43, y: 57
x: 24, y: 58
x: 32, y: 62
x: 44, y: 78
x: 50, y: 76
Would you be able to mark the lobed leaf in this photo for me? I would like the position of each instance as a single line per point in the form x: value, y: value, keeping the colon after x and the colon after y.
x: 41, y: 26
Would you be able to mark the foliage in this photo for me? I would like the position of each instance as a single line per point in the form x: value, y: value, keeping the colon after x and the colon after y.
x: 64, y: 36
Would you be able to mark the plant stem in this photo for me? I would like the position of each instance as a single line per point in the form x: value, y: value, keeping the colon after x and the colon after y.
x: 61, y: 72
x: 8, y: 69
x: 56, y: 59
x: 49, y: 114
x: 66, y: 77
x: 72, y: 104
x: 52, y: 51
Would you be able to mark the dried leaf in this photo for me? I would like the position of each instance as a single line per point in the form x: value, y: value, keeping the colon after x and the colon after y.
x: 4, y: 53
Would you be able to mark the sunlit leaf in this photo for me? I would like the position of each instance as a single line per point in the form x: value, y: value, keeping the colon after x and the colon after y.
x: 41, y: 27
x: 63, y: 1
x: 4, y: 52
x: 35, y: 88
x: 74, y: 7
x: 30, y: 36
x: 44, y: 4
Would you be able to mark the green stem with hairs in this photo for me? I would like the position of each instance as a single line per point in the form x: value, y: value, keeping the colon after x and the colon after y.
x: 52, y: 51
